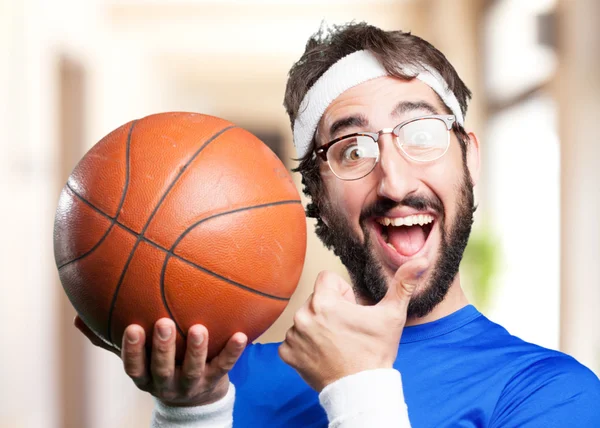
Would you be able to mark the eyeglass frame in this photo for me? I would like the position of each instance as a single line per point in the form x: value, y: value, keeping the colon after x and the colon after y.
x: 448, y: 119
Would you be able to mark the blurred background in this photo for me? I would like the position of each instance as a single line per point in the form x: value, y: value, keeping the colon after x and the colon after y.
x: 71, y: 71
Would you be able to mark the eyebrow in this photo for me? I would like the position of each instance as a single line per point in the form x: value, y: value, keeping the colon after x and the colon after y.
x: 357, y: 121
x: 360, y: 121
x: 407, y: 106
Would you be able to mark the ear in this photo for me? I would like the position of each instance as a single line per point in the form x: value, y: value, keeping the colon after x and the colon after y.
x: 473, y: 158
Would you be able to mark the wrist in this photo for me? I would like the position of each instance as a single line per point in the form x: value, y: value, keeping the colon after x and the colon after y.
x: 218, y: 413
x: 367, y: 391
x: 208, y: 397
x: 345, y: 372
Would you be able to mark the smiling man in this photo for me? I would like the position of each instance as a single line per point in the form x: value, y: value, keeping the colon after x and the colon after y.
x: 378, y: 122
x: 378, y: 217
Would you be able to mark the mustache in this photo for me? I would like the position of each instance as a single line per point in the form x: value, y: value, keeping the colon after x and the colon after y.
x: 381, y: 207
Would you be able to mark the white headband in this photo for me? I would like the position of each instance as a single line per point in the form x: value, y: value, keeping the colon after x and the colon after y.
x: 352, y: 70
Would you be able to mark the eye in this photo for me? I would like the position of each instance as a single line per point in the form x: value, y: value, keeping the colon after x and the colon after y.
x: 353, y: 153
x: 421, y: 138
x: 353, y: 150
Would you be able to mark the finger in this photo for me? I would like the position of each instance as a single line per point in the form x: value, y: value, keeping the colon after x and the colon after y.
x: 195, y: 356
x: 329, y: 288
x: 303, y: 321
x: 291, y: 336
x: 93, y: 337
x: 348, y: 293
x: 285, y: 353
x: 162, y: 364
x: 222, y: 363
x: 133, y: 354
x: 403, y: 284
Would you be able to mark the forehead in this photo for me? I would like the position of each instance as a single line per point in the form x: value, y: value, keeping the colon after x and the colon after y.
x: 376, y: 99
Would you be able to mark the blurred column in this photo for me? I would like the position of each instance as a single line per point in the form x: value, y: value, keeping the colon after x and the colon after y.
x: 578, y: 87
x: 454, y: 28
x: 71, y: 360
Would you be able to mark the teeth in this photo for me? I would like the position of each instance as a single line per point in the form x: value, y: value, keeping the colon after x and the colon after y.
x: 410, y: 220
x: 397, y: 221
x: 391, y: 246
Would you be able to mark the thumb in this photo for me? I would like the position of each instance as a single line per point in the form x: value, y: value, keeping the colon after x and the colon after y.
x: 404, y: 283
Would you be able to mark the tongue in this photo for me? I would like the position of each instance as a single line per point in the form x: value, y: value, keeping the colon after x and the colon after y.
x: 407, y: 240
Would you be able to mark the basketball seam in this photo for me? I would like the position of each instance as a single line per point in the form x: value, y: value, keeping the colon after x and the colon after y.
x: 216, y: 275
x: 152, y: 214
x: 171, y: 252
x: 90, y: 251
x: 113, y: 219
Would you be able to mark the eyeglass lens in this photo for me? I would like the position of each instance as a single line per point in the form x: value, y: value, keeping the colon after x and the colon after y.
x: 421, y: 140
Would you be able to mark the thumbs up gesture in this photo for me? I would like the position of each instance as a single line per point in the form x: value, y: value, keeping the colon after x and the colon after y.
x: 333, y: 336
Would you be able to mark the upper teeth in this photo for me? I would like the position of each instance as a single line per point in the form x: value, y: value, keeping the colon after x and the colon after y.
x: 410, y: 220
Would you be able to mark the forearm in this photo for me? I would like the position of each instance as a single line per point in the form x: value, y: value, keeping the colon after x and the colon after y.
x: 369, y: 398
x: 215, y: 415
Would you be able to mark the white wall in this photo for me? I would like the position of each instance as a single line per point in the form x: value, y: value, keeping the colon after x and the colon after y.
x: 28, y: 194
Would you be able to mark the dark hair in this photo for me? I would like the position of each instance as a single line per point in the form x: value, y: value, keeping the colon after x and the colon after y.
x: 393, y: 49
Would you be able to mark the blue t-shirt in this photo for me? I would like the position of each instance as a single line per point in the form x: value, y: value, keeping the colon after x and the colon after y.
x: 460, y: 371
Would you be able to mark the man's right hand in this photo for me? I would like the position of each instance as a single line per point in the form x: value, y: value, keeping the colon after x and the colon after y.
x: 195, y: 383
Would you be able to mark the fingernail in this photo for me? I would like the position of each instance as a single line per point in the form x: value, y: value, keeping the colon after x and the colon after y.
x: 164, y: 332
x: 197, y: 338
x: 132, y: 337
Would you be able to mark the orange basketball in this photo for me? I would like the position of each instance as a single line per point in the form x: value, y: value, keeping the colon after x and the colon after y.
x: 185, y: 216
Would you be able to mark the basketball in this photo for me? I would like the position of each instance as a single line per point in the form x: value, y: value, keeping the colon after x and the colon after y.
x: 185, y: 216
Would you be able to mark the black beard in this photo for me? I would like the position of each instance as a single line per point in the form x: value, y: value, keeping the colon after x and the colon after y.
x: 367, y: 276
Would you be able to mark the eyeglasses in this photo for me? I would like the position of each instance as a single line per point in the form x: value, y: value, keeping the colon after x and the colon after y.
x: 422, y: 139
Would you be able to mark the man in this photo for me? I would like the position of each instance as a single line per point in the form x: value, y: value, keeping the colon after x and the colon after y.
x: 378, y: 122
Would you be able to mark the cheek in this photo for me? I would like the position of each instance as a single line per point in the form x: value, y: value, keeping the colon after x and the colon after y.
x: 448, y: 171
x: 445, y: 176
x: 348, y: 198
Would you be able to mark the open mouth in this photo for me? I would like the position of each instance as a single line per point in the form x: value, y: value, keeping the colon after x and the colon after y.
x: 406, y: 235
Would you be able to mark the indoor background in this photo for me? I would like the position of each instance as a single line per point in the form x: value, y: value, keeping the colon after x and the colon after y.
x: 71, y: 71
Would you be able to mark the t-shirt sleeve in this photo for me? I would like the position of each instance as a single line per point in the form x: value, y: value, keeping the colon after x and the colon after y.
x: 554, y: 392
x: 216, y: 415
x: 372, y: 398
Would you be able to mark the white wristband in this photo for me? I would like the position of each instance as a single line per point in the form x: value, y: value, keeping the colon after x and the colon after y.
x: 368, y: 398
x: 215, y: 415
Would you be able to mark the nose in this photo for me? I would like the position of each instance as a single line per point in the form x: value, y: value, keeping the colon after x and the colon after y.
x: 395, y: 173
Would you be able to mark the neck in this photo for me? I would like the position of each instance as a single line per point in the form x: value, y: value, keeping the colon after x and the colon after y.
x: 455, y: 299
